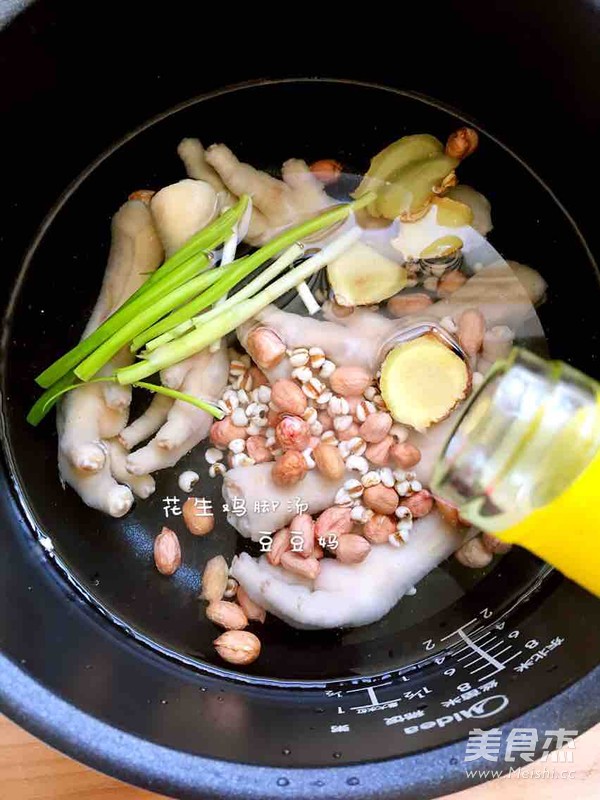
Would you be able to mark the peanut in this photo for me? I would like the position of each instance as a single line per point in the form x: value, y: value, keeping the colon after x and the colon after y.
x: 256, y: 447
x: 292, y: 433
x: 214, y: 579
x: 495, y: 545
x: 238, y: 647
x: 329, y: 461
x: 349, y: 433
x: 289, y: 468
x: 279, y: 545
x: 258, y: 377
x: 288, y: 397
x: 462, y: 143
x: 473, y: 554
x: 167, y: 552
x: 448, y: 512
x: 341, y: 311
x: 380, y: 499
x: 450, y: 282
x: 273, y: 418
x: 326, y: 170
x: 471, y: 330
x: 376, y: 427
x: 265, y: 347
x: 251, y: 609
x: 352, y: 549
x: 303, y: 525
x: 224, y: 431
x: 325, y: 420
x: 296, y: 563
x: 379, y: 528
x: 349, y: 380
x: 419, y: 504
x: 403, y: 304
x: 378, y: 454
x: 143, y: 195
x: 405, y: 455
x: 336, y: 521
x: 198, y: 524
x: 227, y: 615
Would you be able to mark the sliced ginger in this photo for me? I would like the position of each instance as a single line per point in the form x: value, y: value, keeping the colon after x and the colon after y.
x: 422, y: 381
x: 395, y: 157
x: 452, y: 213
x: 362, y: 276
x: 410, y: 190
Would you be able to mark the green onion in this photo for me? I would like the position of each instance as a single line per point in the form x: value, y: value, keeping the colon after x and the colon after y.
x: 236, y: 271
x: 216, y: 412
x: 173, y: 273
x: 161, y: 306
x: 219, y: 231
x: 265, y: 277
x: 114, y: 323
x: 167, y: 337
x: 230, y: 318
x: 50, y: 397
x: 44, y: 404
x: 244, y: 266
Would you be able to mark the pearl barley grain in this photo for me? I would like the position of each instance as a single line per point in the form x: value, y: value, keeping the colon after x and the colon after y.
x: 187, y: 480
x: 237, y: 445
x: 213, y: 454
x: 217, y: 469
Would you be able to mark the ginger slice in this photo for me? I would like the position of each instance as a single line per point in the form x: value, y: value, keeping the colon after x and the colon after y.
x: 422, y: 381
x: 362, y: 276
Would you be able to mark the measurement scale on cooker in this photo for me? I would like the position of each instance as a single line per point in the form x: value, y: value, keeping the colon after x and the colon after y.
x: 482, y: 649
x: 480, y: 656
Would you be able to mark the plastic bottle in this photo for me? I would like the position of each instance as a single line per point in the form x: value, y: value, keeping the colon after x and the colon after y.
x: 523, y: 463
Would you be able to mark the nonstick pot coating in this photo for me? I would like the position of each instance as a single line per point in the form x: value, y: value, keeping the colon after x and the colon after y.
x: 211, y: 728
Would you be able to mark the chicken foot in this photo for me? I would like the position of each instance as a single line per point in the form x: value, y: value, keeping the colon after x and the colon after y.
x: 349, y: 595
x: 276, y: 203
x: 147, y: 423
x: 90, y: 415
x: 255, y: 483
x: 496, y: 291
x: 185, y: 425
x: 182, y: 209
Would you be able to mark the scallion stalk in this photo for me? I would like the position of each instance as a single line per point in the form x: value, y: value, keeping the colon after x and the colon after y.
x: 183, y: 265
x: 48, y: 399
x: 236, y: 271
x: 215, y: 411
x: 265, y: 277
x: 161, y: 306
x: 220, y: 230
x: 51, y: 396
x: 120, y: 317
x: 245, y: 266
x: 230, y: 318
x: 228, y: 257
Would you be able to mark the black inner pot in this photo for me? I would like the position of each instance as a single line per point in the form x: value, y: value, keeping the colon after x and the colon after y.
x: 318, y: 709
x: 111, y: 560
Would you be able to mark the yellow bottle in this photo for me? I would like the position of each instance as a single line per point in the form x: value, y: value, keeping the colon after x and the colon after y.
x: 523, y: 463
